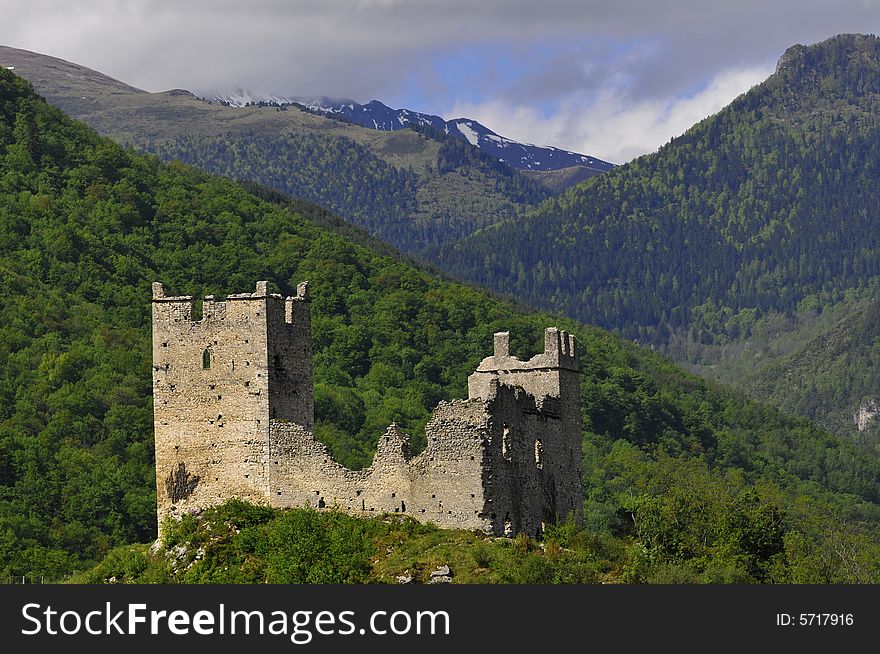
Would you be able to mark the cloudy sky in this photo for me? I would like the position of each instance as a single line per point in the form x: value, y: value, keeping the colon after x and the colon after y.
x: 612, y: 78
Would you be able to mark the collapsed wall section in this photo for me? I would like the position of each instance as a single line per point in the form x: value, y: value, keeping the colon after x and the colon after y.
x: 502, y: 465
x: 443, y: 485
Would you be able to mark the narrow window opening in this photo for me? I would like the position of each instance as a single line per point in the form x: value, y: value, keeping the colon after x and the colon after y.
x: 539, y: 454
x: 505, y: 443
x: 206, y: 359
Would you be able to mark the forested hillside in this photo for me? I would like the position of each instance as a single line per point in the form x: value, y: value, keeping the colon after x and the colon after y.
x: 465, y: 190
x: 412, y: 189
x: 733, y: 245
x: 828, y: 377
x: 759, y: 209
x: 85, y: 226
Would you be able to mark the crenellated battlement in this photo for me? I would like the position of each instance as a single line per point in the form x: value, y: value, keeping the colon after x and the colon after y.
x: 552, y: 373
x: 559, y: 352
x: 174, y: 310
x: 234, y: 417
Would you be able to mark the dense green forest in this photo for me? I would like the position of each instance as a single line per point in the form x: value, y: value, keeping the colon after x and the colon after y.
x: 767, y: 206
x: 86, y: 225
x: 829, y: 376
x: 730, y: 249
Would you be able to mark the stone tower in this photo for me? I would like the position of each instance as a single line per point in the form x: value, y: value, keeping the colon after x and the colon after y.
x: 218, y: 381
x: 535, y: 456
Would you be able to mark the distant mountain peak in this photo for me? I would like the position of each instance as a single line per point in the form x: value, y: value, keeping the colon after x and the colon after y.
x: 377, y: 115
x: 831, y: 55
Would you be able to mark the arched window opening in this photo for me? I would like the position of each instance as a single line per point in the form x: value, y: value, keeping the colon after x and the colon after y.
x: 206, y: 359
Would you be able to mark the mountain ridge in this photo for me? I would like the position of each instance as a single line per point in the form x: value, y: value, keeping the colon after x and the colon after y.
x: 377, y: 115
x: 404, y: 186
x: 760, y: 210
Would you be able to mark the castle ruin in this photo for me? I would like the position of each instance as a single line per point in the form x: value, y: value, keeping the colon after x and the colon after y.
x: 234, y: 417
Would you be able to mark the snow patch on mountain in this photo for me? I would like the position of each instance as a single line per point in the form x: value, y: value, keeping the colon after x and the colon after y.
x: 466, y: 129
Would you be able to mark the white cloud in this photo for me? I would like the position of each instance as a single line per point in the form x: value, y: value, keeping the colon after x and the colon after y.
x: 363, y: 48
x: 615, y: 71
x: 609, y: 124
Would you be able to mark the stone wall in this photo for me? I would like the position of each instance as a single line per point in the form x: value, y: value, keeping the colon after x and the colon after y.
x: 291, y: 395
x: 234, y: 408
x: 535, y: 453
x: 498, y: 465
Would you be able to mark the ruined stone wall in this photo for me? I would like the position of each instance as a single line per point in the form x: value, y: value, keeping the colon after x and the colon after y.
x: 535, y: 464
x: 291, y: 390
x: 536, y: 469
x: 545, y: 374
x: 444, y: 484
x: 501, y: 465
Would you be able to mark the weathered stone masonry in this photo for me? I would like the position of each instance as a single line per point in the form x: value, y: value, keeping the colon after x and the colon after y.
x: 234, y: 414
